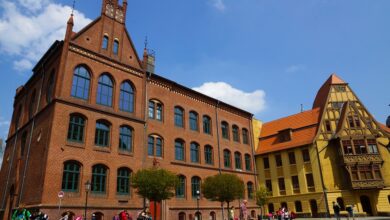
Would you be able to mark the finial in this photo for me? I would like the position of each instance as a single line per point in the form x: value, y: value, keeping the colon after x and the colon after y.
x: 146, y: 42
x: 73, y: 5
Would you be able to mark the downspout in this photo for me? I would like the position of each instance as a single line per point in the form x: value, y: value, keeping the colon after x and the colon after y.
x: 322, y: 182
x: 219, y: 149
x: 253, y: 151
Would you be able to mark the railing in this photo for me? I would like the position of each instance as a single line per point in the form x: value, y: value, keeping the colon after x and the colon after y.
x: 367, y: 184
x: 362, y: 158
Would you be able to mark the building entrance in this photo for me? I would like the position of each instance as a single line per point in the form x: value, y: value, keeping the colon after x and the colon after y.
x: 366, y: 204
x: 313, y: 208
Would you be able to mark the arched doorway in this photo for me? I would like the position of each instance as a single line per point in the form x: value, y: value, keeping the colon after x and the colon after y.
x: 97, y: 216
x: 313, y: 208
x: 340, y: 201
x: 182, y: 216
x: 366, y: 204
x: 213, y: 216
x: 271, y: 208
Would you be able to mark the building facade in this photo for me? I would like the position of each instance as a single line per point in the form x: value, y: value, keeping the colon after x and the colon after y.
x: 335, y: 152
x: 94, y: 111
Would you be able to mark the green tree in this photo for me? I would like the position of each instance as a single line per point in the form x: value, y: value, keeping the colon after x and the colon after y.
x: 223, y: 188
x: 262, y: 196
x: 155, y: 184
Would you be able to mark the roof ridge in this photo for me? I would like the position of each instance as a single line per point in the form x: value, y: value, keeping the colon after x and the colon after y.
x: 293, y: 115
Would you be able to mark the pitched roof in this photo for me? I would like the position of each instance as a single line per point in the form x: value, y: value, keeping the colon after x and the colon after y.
x: 303, y: 127
x: 322, y: 93
x: 384, y: 127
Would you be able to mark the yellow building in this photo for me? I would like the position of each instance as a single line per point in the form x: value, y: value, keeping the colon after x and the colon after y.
x: 335, y: 152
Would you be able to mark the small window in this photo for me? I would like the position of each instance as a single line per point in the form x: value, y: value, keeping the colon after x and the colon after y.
x: 226, y: 158
x: 271, y: 208
x: 372, y: 147
x: 179, y: 117
x: 81, y: 83
x: 206, y: 124
x: 208, y: 154
x: 388, y: 198
x: 179, y: 150
x: 115, y: 48
x: 225, y: 130
x: 306, y: 155
x: 360, y: 146
x: 266, y: 162
x: 309, y: 180
x: 282, y: 186
x: 236, y: 136
x: 298, y: 206
x: 337, y: 105
x: 155, y: 110
x: 327, y: 126
x: 291, y: 158
x: 105, y: 42
x: 339, y: 88
x: 278, y: 160
x: 194, y: 121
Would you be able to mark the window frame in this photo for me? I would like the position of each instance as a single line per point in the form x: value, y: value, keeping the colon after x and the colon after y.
x: 206, y: 124
x: 179, y: 117
x: 179, y: 150
x: 72, y: 173
x: 194, y: 121
x: 208, y: 155
x: 227, y: 157
x: 80, y: 126
x: 238, y: 160
x: 195, y: 152
x: 127, y: 136
x: 225, y: 130
x: 102, y: 134
x: 100, y: 177
x: 83, y: 77
x: 123, y: 181
x: 126, y: 93
x: 236, y: 133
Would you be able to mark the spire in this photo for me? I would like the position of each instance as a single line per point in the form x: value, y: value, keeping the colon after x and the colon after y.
x: 69, y: 28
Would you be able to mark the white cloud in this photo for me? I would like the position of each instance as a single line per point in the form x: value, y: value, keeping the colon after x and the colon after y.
x: 219, y: 4
x: 253, y: 102
x: 295, y: 68
x: 31, y: 27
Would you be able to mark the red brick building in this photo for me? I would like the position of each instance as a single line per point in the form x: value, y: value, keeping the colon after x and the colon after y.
x: 94, y: 111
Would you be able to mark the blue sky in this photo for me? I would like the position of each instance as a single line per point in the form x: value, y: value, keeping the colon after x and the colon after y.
x: 267, y: 56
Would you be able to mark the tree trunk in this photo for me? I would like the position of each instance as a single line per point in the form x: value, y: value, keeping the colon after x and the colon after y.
x: 261, y: 212
x: 228, y: 210
x: 155, y: 210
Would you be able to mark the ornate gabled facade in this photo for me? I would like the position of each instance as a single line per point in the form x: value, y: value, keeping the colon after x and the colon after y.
x: 347, y: 159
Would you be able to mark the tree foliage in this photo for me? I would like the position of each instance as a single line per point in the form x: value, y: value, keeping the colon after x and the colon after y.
x: 223, y: 187
x: 262, y: 195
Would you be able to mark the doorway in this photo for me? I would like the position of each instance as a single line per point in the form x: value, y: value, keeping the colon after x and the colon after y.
x: 366, y: 204
x: 313, y: 208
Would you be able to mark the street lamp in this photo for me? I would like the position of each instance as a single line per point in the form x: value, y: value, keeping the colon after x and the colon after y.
x: 87, y: 188
x: 197, y: 204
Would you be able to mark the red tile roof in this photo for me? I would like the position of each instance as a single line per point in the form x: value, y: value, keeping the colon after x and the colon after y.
x: 384, y: 127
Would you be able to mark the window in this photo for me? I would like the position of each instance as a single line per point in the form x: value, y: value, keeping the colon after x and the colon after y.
x: 347, y: 146
x: 50, y: 87
x: 226, y: 158
x: 271, y: 208
x: 194, y: 121
x: 237, y: 159
x: 291, y: 157
x: 225, y: 129
x: 155, y: 146
x: 236, y: 136
x: 248, y: 165
x: 309, y: 181
x: 278, y: 159
x: 99, y: 176
x: 340, y: 201
x: 266, y: 162
x: 126, y: 102
x: 327, y: 126
x: 123, y: 181
x: 372, y: 147
x: 206, y: 124
x: 76, y: 128
x: 81, y: 83
x: 305, y: 155
x: 365, y: 173
x: 104, y: 92
x: 179, y: 117
x: 71, y: 176
x: 354, y: 173
x: 245, y: 138
x: 23, y: 143
x: 155, y: 110
x: 194, y: 152
x: 377, y: 172
x: 115, y: 48
x: 268, y: 185
x: 208, y: 154
x: 360, y: 146
x: 31, y: 106
x: 182, y: 216
x: 295, y: 182
x: 181, y: 187
x: 102, y: 134
x: 195, y: 186
x: 105, y: 42
x: 249, y: 186
x: 298, y: 206
x: 179, y: 150
x: 337, y: 105
x: 282, y: 187
x: 126, y: 138
x: 339, y: 88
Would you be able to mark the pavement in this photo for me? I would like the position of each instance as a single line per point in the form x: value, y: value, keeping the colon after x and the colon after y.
x: 344, y: 218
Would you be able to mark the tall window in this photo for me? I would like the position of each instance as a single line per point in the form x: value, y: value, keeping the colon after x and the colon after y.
x: 194, y: 121
x: 372, y: 147
x: 105, y: 42
x: 179, y: 150
x: 123, y: 181
x: 155, y: 110
x: 310, y: 182
x: 194, y: 152
x: 291, y: 157
x: 104, y: 92
x: 71, y: 176
x: 81, y: 83
x: 208, y: 154
x: 179, y: 117
x: 295, y: 183
x: 225, y: 129
x: 245, y: 138
x: 195, y: 186
x: 306, y: 155
x: 278, y: 160
x: 268, y: 185
x: 206, y: 124
x: 102, y: 134
x: 181, y: 187
x: 226, y: 158
x: 76, y: 128
x: 236, y: 136
x: 249, y: 187
x: 298, y: 206
x: 31, y: 106
x: 115, y: 48
x: 50, y: 87
x: 266, y: 162
x: 99, y: 176
x: 248, y: 163
x: 126, y: 138
x: 282, y: 187
x: 126, y: 102
x: 155, y: 146
x: 237, y: 159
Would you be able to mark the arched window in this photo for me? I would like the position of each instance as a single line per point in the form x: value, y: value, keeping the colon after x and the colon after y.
x: 50, y: 87
x: 340, y: 201
x: 227, y: 158
x: 213, y: 215
x: 102, y: 134
x: 126, y: 138
x: 155, y: 110
x: 31, y: 106
x: 194, y: 152
x: 225, y: 130
x: 104, y: 92
x: 238, y: 160
x: 236, y: 136
x: 181, y: 187
x: 271, y: 208
x: 105, y: 42
x: 253, y: 214
x: 115, y: 48
x: 123, y: 181
x: 81, y: 83
x: 208, y: 154
x: 206, y: 124
x: 195, y: 186
x: 179, y: 117
x: 298, y: 206
x: 71, y: 176
x: 182, y: 216
x: 248, y: 162
x: 23, y: 142
x: 245, y: 138
x: 155, y: 146
x: 194, y: 121
x: 179, y: 150
x: 76, y: 128
x: 126, y: 102
x: 249, y: 187
x: 99, y: 177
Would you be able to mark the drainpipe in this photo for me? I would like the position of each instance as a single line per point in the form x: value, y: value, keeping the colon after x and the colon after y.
x: 218, y: 144
x: 323, y: 183
x: 253, y: 151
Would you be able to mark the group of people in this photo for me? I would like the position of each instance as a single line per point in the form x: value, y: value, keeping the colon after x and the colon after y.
x: 337, y: 209
x: 24, y: 214
x: 243, y: 211
x: 282, y: 214
x: 142, y: 215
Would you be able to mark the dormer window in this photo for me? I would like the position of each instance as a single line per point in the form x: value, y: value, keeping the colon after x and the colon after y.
x: 115, y: 48
x: 105, y: 42
x: 285, y: 135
